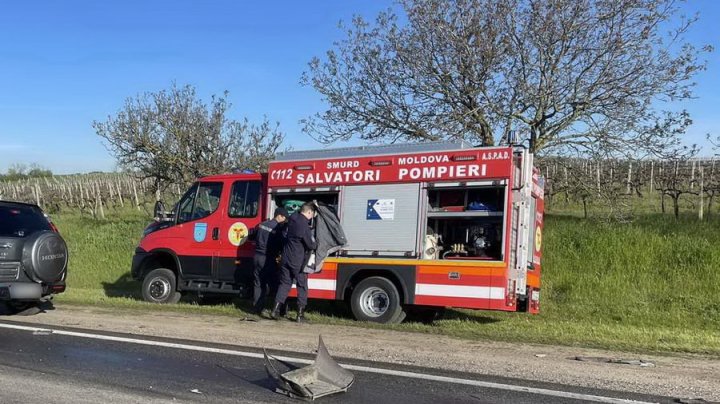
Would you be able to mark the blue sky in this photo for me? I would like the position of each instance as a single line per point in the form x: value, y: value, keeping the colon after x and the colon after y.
x: 65, y: 64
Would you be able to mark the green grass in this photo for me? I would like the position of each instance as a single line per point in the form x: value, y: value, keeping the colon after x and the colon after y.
x: 648, y: 286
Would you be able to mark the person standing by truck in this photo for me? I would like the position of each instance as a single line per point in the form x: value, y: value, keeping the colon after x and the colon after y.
x: 268, y: 243
x: 299, y: 242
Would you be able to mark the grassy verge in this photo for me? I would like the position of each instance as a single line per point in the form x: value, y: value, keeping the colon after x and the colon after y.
x: 652, y: 285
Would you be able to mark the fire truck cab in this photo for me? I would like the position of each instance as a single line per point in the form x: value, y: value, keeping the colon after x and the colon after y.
x: 437, y: 224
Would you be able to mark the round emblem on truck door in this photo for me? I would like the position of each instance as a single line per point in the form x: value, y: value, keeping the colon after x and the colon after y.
x: 238, y: 233
x: 538, y: 239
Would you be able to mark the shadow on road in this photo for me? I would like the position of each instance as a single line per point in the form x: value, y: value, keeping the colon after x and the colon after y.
x: 25, y: 308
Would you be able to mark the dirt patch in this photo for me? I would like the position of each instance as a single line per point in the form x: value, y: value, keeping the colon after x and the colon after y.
x: 675, y: 376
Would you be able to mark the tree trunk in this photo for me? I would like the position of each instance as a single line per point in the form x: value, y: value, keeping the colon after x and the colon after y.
x: 629, y: 179
x: 710, y: 202
x: 692, y: 176
x: 157, y: 190
x: 487, y: 136
x: 37, y: 195
x: 652, y: 173
x: 662, y: 203
x: 98, y: 200
x: 135, y: 195
x: 676, y: 206
x: 702, y: 191
x: 532, y: 142
x: 118, y: 187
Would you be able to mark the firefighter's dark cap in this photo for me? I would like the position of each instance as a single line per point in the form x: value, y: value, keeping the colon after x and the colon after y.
x: 281, y: 212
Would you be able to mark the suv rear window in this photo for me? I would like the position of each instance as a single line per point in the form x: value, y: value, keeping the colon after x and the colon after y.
x: 21, y: 221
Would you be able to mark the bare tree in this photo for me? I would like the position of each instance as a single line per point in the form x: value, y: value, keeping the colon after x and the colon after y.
x: 575, y: 74
x: 674, y: 181
x: 172, y: 136
x: 258, y: 146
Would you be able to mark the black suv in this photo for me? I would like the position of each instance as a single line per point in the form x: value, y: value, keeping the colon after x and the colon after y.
x: 33, y: 255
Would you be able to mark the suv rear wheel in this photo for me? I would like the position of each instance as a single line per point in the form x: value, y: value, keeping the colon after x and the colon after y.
x: 160, y: 286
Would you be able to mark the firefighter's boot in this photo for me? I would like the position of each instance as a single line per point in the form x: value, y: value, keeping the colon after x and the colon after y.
x: 300, y: 315
x: 276, y: 311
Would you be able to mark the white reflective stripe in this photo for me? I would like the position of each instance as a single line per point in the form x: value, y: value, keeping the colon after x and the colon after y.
x: 320, y: 284
x: 262, y: 226
x: 478, y: 292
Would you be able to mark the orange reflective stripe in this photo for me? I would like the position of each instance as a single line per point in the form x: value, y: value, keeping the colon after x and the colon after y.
x: 416, y: 262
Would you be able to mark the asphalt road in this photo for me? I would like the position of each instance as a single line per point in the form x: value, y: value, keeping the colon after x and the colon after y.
x: 70, y: 366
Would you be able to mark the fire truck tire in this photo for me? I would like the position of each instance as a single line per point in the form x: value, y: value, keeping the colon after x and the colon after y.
x: 376, y: 299
x: 160, y: 286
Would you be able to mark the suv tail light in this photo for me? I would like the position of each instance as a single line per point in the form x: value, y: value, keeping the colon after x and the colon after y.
x: 52, y: 225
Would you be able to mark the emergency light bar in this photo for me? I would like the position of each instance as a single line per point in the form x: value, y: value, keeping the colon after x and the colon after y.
x: 464, y: 158
x: 382, y: 163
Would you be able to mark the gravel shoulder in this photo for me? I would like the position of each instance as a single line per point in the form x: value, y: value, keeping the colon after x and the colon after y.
x: 674, y: 376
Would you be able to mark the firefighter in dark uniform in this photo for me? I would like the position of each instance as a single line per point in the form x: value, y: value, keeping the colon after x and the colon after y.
x: 299, y: 243
x: 267, y: 247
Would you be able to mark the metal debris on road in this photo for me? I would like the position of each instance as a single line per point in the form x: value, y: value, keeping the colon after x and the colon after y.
x: 324, y: 377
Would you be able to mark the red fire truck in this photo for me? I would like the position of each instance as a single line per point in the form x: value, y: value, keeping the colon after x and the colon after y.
x: 433, y: 225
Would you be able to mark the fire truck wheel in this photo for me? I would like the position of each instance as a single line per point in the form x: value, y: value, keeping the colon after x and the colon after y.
x: 376, y: 299
x: 159, y: 286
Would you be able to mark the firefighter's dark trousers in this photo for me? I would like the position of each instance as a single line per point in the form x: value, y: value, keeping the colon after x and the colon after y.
x: 287, y: 276
x: 264, y: 280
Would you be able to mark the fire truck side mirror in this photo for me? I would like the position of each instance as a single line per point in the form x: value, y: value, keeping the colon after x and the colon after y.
x: 159, y: 211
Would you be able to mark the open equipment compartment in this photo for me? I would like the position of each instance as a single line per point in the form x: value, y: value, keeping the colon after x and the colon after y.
x: 395, y: 234
x: 292, y: 199
x: 465, y: 221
